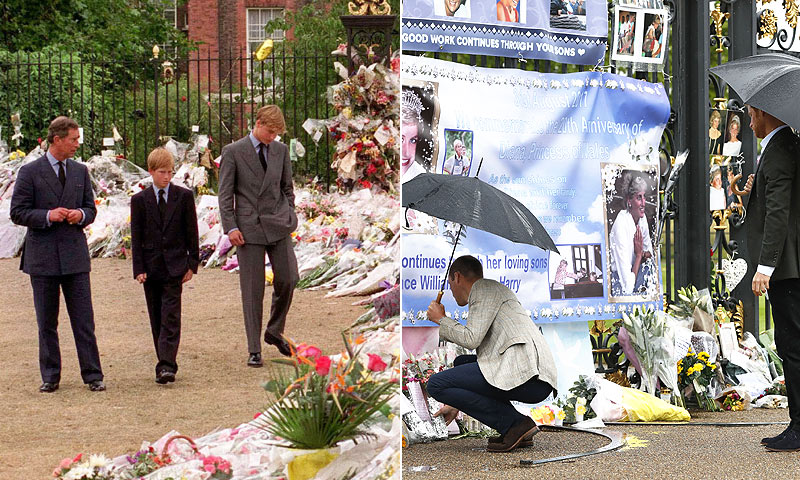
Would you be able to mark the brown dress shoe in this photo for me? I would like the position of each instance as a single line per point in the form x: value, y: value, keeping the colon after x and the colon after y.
x: 527, y: 441
x: 514, y: 436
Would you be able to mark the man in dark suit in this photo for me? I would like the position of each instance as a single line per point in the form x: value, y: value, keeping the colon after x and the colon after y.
x: 166, y: 253
x: 53, y: 197
x: 774, y: 245
x: 256, y: 205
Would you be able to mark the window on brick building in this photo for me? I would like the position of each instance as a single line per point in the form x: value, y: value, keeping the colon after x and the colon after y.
x: 257, y: 18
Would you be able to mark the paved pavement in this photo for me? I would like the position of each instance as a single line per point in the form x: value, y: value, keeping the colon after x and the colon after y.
x: 652, y: 451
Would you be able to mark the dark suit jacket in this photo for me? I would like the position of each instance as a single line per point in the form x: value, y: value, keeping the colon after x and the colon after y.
x: 773, y: 209
x: 59, y: 249
x: 259, y: 204
x: 175, y: 239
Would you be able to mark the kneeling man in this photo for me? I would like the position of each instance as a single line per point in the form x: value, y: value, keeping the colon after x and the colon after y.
x: 513, y: 361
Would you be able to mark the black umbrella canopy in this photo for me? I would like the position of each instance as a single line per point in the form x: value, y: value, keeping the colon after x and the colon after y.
x: 768, y: 82
x: 474, y: 203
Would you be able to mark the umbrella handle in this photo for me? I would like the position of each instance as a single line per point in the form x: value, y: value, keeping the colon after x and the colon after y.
x: 439, y: 297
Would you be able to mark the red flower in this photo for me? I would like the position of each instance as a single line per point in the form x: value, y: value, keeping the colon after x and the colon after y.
x: 371, y: 169
x: 323, y: 365
x: 183, y: 98
x: 308, y: 351
x: 376, y: 363
x: 365, y: 183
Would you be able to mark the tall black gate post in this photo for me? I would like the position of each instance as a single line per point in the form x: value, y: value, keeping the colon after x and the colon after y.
x: 742, y: 32
x: 693, y: 264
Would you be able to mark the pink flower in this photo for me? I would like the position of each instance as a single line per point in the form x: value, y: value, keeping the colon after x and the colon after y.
x: 323, y: 365
x: 376, y: 364
x: 210, y: 468
x: 309, y: 351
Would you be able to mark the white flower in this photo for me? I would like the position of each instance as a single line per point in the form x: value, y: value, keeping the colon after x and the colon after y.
x: 99, y: 461
x: 580, y: 401
x: 79, y: 471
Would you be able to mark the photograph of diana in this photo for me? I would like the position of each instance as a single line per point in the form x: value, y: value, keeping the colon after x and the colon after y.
x: 631, y: 209
x: 419, y: 119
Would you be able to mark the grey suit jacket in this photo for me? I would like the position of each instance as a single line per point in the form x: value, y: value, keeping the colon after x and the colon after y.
x: 773, y: 209
x: 511, y: 349
x: 58, y: 249
x: 259, y: 204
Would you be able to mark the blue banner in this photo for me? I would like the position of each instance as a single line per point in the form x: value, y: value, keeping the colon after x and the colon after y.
x: 579, y: 150
x: 568, y: 31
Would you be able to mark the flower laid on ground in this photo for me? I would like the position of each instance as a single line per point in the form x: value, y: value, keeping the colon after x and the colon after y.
x: 696, y: 371
x: 316, y: 206
x: 327, y: 399
x: 144, y: 462
x: 544, y: 415
x: 96, y: 467
x: 580, y: 395
x: 733, y: 402
x: 219, y: 468
x: 420, y: 369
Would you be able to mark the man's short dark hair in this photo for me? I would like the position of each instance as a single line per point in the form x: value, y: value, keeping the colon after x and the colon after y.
x: 468, y: 266
x: 60, y: 128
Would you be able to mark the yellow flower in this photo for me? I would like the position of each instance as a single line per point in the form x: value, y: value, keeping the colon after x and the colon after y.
x: 580, y: 409
x: 713, y: 366
x: 703, y: 356
x: 689, y: 370
x: 698, y: 367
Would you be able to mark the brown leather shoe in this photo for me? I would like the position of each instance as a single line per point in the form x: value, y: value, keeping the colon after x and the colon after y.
x: 283, y: 345
x: 514, y: 436
x: 527, y: 441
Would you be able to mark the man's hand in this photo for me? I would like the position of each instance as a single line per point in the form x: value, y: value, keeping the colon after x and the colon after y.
x: 760, y: 284
x: 448, y: 413
x: 187, y: 276
x: 141, y: 278
x: 74, y: 216
x: 749, y: 185
x: 435, y: 312
x: 58, y: 214
x: 236, y: 238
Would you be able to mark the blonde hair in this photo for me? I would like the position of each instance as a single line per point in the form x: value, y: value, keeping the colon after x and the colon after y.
x: 160, y: 158
x: 271, y: 117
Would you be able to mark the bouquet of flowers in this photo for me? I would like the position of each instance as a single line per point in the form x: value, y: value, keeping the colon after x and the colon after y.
x: 695, y: 371
x: 732, y: 402
x: 576, y: 405
x: 326, y: 400
x: 144, y: 462
x: 365, y: 127
x: 420, y: 369
x: 318, y: 205
x: 96, y: 467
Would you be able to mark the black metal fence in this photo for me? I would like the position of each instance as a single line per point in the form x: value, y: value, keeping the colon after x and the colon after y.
x: 144, y: 105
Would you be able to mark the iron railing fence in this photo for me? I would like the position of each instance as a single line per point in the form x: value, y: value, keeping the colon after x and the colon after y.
x: 218, y: 93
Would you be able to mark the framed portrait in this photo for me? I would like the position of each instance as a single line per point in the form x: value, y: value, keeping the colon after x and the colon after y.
x: 457, y: 152
x: 733, y: 131
x: 568, y: 14
x: 716, y: 131
x: 419, y: 125
x: 577, y: 272
x: 624, y: 34
x: 631, y: 212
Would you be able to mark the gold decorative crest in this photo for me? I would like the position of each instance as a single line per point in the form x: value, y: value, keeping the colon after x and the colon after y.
x: 791, y: 12
x: 768, y: 25
x: 369, y: 7
x: 719, y: 18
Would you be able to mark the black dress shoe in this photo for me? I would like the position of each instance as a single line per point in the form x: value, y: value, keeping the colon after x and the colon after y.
x: 789, y: 443
x: 97, y: 386
x: 255, y: 360
x: 163, y: 377
x: 48, y: 387
x: 514, y: 436
x: 767, y: 440
x: 283, y: 345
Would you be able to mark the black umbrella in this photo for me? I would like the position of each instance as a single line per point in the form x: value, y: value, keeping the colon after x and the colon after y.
x: 767, y: 82
x: 474, y: 203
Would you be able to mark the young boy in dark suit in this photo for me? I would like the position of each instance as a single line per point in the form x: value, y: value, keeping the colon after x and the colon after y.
x: 166, y: 253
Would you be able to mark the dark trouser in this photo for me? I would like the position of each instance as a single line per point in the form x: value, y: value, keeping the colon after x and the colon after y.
x: 78, y: 297
x: 163, y: 295
x: 465, y: 388
x: 251, y: 282
x: 784, y: 297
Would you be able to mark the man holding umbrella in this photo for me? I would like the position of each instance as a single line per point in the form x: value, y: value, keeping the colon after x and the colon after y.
x: 773, y: 219
x: 513, y: 361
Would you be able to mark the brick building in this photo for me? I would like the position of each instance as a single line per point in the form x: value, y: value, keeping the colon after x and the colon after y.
x: 226, y: 29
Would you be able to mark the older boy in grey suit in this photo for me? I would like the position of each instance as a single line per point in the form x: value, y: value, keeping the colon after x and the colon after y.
x: 53, y: 197
x: 513, y: 361
x: 256, y: 203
